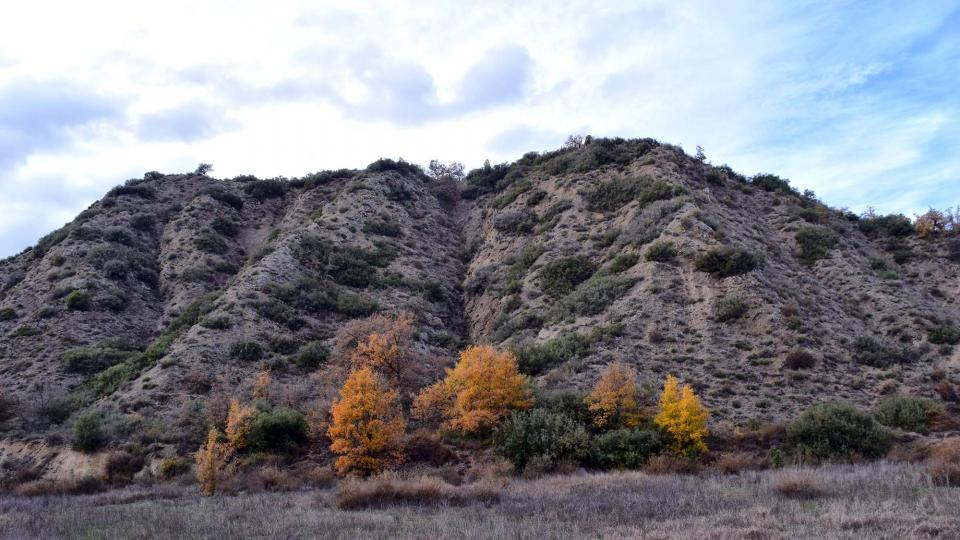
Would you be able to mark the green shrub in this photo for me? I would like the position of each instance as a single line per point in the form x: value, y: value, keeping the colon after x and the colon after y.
x: 562, y: 276
x: 838, y: 431
x: 772, y: 183
x: 113, y: 301
x: 907, y: 412
x: 143, y: 222
x: 143, y: 192
x: 623, y: 262
x: 662, y: 251
x: 875, y: 353
x: 50, y: 240
x: 210, y: 242
x: 357, y: 267
x: 815, y: 244
x: 624, y: 448
x: 173, y: 466
x: 220, y: 322
x: 945, y: 334
x: 516, y: 222
x: 8, y: 314
x: 355, y: 305
x: 729, y: 309
x: 799, y: 359
x: 537, y: 358
x: 226, y: 198
x: 890, y: 225
x: 523, y: 261
x: 383, y: 226
x: 78, y: 300
x: 88, y: 433
x: 593, y: 296
x: 247, y: 351
x: 89, y: 360
x: 727, y: 261
x: 614, y: 194
x: 311, y: 355
x: 511, y: 194
x: 542, y: 437
x: 225, y: 227
x: 567, y: 402
x: 280, y: 429
x: 265, y: 189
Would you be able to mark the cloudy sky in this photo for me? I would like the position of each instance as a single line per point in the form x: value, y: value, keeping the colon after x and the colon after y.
x: 855, y: 100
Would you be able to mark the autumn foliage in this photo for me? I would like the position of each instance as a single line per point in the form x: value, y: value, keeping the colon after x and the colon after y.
x: 477, y: 392
x: 239, y: 418
x: 683, y: 417
x: 367, y: 424
x: 211, y: 458
x: 613, y: 401
x: 387, y: 351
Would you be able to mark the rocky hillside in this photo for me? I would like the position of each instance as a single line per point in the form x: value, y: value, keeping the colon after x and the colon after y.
x: 169, y: 294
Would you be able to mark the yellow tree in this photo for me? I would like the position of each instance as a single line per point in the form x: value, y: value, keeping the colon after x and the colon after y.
x: 210, y: 458
x: 367, y: 425
x: 261, y: 389
x: 683, y: 417
x: 239, y: 419
x: 477, y: 392
x: 387, y: 351
x: 613, y: 400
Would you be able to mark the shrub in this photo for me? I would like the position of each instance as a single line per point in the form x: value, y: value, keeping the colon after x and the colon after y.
x: 211, y: 458
x: 907, y: 412
x: 515, y: 222
x: 729, y: 309
x: 683, y: 418
x: 311, y: 355
x: 612, y: 195
x: 661, y: 252
x: 226, y: 198
x: 837, y: 430
x: 7, y: 314
x: 384, y: 227
x: 727, y: 261
x: 88, y: 434
x: 624, y: 448
x: 247, y: 351
x: 771, y: 183
x: 401, y: 166
x: 143, y: 222
x: 875, y: 353
x: 799, y: 359
x: 536, y: 358
x: 219, y: 322
x: 561, y: 276
x: 594, y: 295
x: 172, y: 466
x: 623, y: 262
x: 890, y: 225
x: 210, y: 242
x: 89, y: 360
x: 367, y: 424
x: 143, y: 192
x: 613, y: 401
x: 121, y: 466
x: 355, y: 305
x: 945, y: 334
x: 815, y: 244
x: 78, y: 300
x: 540, y: 435
x: 280, y: 429
x: 388, y: 351
x: 482, y: 388
x: 226, y: 227
x: 262, y: 190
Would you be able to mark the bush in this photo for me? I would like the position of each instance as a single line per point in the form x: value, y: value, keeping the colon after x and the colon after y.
x: 247, y: 351
x: 515, y: 222
x: 122, y: 466
x: 225, y: 227
x: 594, y: 295
x: 537, y: 358
x: 540, y: 435
x: 262, y: 190
x: 614, y: 194
x: 143, y: 192
x: 143, y: 222
x: 890, y: 225
x: 560, y: 277
x: 172, y: 466
x: 88, y: 434
x: 78, y: 300
x: 401, y: 166
x: 311, y: 355
x: 815, y: 244
x: 226, y: 198
x: 623, y: 262
x: 383, y: 227
x: 727, y: 261
x: 661, y: 252
x: 624, y: 448
x: 945, y: 334
x: 90, y: 360
x: 875, y: 353
x: 907, y: 412
x: 772, y: 183
x: 838, y: 430
x: 7, y: 314
x: 729, y: 309
x: 355, y: 305
x: 210, y: 242
x: 280, y: 429
x: 799, y: 359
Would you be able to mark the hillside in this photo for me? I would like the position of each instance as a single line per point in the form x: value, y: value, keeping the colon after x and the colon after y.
x: 169, y: 294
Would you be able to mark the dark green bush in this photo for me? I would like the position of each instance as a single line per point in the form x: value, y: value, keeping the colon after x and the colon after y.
x: 357, y: 267
x: 113, y: 301
x: 143, y: 192
x: 226, y: 227
x: 623, y: 262
x: 219, y: 322
x: 890, y: 225
x: 565, y: 401
x: 772, y: 182
x: 907, y: 412
x: 78, y: 300
x: 89, y: 360
x: 227, y: 198
x: 729, y: 309
x: 355, y: 305
x: 143, y: 222
x: 624, y: 448
x: 875, y: 353
x: 727, y: 261
x: 662, y: 251
x: 593, y: 296
x: 88, y: 432
x: 536, y: 358
x: 541, y: 437
x: 50, y: 240
x: 400, y: 165
x: 8, y: 314
x: 799, y: 359
x: 383, y: 227
x: 838, y: 431
x: 945, y: 334
x: 277, y: 430
x: 247, y: 351
x: 815, y: 243
x: 562, y: 276
x: 516, y: 222
x: 262, y: 190
x: 614, y: 194
x: 311, y: 355
x: 210, y: 242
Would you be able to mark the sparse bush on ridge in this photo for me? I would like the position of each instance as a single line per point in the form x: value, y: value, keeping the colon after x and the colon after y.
x: 727, y: 261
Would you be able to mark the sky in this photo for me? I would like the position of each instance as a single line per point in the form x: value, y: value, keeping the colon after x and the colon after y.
x: 857, y: 101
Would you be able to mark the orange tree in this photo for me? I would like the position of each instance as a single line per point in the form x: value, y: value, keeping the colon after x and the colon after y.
x: 211, y: 458
x: 367, y: 425
x: 477, y: 392
x: 683, y: 417
x: 387, y: 348
x: 613, y: 400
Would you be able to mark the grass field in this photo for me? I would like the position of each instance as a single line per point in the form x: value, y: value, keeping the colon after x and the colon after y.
x: 879, y: 500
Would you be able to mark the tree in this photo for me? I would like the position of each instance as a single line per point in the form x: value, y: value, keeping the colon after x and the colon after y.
x: 261, y: 389
x: 473, y: 397
x: 203, y: 169
x: 613, y: 401
x: 932, y: 223
x: 574, y: 141
x: 441, y: 171
x: 367, y: 424
x: 210, y: 458
x: 683, y: 417
x: 389, y: 351
x: 239, y: 419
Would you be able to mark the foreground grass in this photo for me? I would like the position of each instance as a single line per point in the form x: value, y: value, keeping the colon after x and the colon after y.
x: 866, y: 501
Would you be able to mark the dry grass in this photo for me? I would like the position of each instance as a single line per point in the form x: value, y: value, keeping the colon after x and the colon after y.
x: 880, y: 500
x: 390, y: 489
x: 799, y: 485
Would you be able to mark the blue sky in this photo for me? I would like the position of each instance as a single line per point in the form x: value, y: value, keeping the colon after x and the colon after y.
x: 857, y: 101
